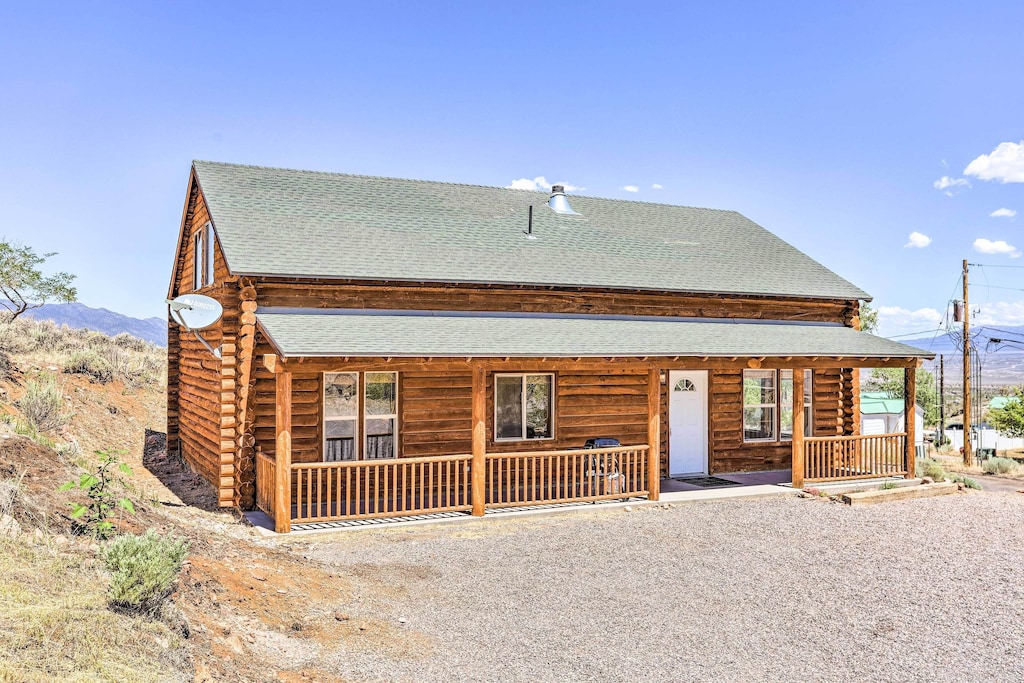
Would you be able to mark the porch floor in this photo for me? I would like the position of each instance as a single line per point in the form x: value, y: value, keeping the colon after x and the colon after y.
x: 751, y: 484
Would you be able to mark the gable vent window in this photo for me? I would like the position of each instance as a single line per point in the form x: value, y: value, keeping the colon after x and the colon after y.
x: 202, y: 257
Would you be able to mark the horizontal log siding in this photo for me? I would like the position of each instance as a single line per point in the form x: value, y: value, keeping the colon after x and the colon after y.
x: 202, y: 387
x: 416, y: 296
x: 727, y: 450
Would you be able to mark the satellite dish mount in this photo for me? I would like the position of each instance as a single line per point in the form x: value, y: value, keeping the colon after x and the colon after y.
x: 196, y: 312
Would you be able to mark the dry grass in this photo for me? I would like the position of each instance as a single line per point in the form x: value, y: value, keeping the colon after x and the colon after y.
x: 133, y: 361
x: 62, y: 629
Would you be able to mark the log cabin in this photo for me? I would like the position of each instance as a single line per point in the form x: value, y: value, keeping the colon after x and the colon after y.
x: 396, y: 347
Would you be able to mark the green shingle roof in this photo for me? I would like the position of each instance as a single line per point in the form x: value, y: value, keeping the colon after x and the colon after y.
x: 879, y: 403
x: 409, y: 334
x: 303, y: 223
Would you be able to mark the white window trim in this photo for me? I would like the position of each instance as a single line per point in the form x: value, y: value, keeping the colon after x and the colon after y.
x: 202, y: 257
x: 198, y: 266
x: 777, y: 406
x: 209, y: 255
x: 551, y: 408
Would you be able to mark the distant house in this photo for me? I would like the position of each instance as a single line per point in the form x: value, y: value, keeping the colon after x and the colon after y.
x: 393, y: 347
x: 880, y: 414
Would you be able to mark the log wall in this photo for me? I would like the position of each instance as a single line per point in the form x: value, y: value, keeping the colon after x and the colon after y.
x: 454, y: 297
x: 202, y: 400
x: 727, y: 452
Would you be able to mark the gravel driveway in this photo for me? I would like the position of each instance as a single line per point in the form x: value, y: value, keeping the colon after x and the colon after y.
x: 756, y: 590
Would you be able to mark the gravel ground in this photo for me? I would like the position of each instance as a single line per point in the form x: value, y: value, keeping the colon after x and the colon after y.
x: 732, y: 590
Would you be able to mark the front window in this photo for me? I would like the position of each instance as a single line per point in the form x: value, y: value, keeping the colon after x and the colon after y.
x: 523, y: 407
x: 768, y: 405
x: 352, y: 432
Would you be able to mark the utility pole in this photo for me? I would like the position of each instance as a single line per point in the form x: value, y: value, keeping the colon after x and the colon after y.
x: 942, y: 399
x: 968, y: 458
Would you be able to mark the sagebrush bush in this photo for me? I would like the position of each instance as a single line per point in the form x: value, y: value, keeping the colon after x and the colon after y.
x: 143, y: 569
x: 91, y: 364
x: 43, y: 404
x: 1001, y: 466
x: 6, y: 366
x: 926, y: 467
x: 127, y: 341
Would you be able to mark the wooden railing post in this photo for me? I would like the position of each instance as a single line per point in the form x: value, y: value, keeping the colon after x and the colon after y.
x: 478, y: 478
x: 910, y: 419
x: 283, y: 455
x: 798, y: 428
x: 654, y: 433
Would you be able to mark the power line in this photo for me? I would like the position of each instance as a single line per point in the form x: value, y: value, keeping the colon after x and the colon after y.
x: 992, y: 265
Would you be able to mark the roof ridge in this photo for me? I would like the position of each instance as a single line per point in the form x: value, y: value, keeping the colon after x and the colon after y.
x: 453, y: 184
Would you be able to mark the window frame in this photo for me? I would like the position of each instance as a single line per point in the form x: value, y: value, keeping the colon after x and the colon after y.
x: 364, y: 416
x: 551, y: 407
x: 203, y: 257
x: 360, y: 433
x: 808, y: 406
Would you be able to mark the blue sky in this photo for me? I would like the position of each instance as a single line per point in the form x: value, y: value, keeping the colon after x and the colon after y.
x: 831, y: 124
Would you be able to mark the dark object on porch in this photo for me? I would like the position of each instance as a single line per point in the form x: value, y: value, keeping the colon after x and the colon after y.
x: 602, y: 442
x: 707, y: 482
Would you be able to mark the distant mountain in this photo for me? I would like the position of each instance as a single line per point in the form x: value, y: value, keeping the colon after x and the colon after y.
x: 1001, y: 350
x: 1011, y: 340
x: 79, y: 316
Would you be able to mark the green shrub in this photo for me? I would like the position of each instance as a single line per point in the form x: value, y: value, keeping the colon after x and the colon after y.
x: 926, y: 467
x: 99, y: 486
x: 969, y: 483
x: 1001, y: 466
x: 43, y: 404
x: 143, y: 569
x: 887, y: 485
x: 91, y: 364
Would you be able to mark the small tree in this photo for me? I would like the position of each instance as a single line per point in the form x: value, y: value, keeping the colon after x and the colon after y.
x: 22, y: 285
x: 1009, y: 420
x: 868, y: 318
x: 890, y: 381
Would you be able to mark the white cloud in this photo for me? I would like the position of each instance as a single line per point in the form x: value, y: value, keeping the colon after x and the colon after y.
x: 540, y: 184
x: 999, y: 313
x: 896, y: 320
x: 1005, y: 164
x: 984, y: 246
x: 630, y: 188
x: 657, y: 186
x: 1003, y: 213
x: 949, y: 185
x: 918, y: 240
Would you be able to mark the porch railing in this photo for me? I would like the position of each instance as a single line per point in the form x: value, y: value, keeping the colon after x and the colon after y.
x: 363, y: 489
x: 854, y: 457
x: 366, y: 489
x: 536, y: 478
x: 265, y: 483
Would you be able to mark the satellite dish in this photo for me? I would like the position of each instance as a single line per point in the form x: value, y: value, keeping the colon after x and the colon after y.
x: 195, y: 311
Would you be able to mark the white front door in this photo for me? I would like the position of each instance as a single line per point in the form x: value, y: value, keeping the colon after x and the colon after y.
x: 688, y: 422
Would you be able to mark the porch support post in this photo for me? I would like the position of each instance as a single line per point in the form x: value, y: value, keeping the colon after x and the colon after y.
x: 909, y: 418
x: 283, y: 455
x: 478, y: 478
x: 798, y: 428
x: 654, y: 433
